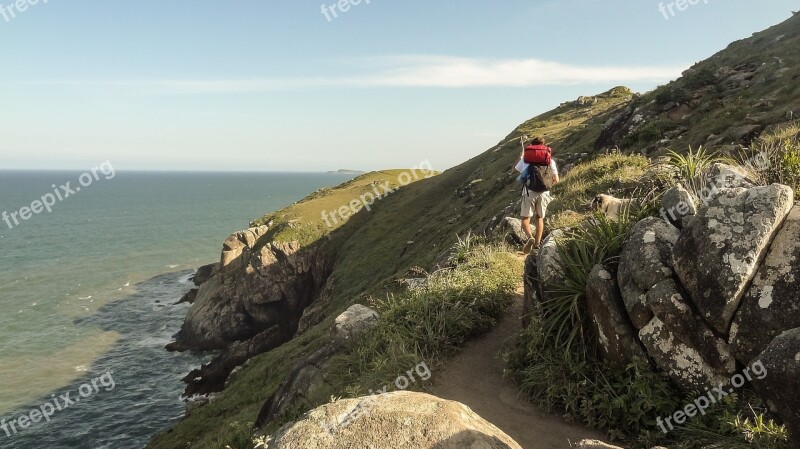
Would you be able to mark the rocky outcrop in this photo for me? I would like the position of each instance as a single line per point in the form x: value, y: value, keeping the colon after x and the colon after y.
x: 390, y: 421
x: 779, y: 385
x: 646, y: 260
x: 251, y: 303
x: 353, y: 322
x: 772, y: 304
x: 610, y: 323
x: 717, y: 255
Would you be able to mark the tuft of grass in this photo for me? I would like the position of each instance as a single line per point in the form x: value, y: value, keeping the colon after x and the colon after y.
x: 775, y: 157
x: 564, y: 319
x: 693, y: 167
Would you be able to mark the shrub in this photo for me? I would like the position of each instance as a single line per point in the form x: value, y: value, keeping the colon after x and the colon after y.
x: 673, y: 95
x: 693, y: 168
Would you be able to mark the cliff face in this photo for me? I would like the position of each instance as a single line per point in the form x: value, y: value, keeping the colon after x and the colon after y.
x: 256, y: 290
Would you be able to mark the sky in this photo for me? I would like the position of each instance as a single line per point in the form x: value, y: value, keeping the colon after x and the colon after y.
x: 311, y: 85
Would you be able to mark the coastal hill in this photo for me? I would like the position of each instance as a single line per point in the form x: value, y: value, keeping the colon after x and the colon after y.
x: 429, y: 252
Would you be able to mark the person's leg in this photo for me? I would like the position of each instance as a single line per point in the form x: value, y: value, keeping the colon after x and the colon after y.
x: 539, y: 230
x: 526, y: 226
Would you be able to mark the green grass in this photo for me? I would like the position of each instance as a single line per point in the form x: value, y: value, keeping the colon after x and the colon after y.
x: 429, y: 324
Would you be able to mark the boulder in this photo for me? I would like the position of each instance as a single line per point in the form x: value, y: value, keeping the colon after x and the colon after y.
x: 511, y: 229
x: 353, y: 322
x: 645, y: 261
x: 671, y: 307
x: 677, y: 206
x: 718, y: 254
x: 772, y: 304
x: 391, y: 421
x: 723, y: 176
x: 549, y: 260
x: 610, y: 322
x: 779, y: 384
x: 684, y: 364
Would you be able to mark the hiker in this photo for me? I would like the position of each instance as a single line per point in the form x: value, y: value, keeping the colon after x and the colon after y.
x: 538, y: 174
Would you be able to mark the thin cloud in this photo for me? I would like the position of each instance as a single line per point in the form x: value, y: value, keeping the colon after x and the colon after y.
x: 417, y: 72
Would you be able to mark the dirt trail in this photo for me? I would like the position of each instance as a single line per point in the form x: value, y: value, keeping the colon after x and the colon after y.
x: 475, y: 378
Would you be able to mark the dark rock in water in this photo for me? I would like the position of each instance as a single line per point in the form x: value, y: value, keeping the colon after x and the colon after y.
x: 718, y: 254
x: 779, y: 366
x: 610, y: 322
x: 772, y: 304
x: 189, y: 297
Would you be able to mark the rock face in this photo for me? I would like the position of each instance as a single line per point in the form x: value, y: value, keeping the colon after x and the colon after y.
x: 772, y: 304
x: 610, y: 322
x: 718, y: 254
x: 678, y: 207
x: 391, y: 421
x: 646, y: 260
x: 252, y: 303
x: 779, y: 386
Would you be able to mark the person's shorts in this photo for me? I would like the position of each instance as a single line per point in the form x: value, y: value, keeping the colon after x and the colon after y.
x: 535, y: 202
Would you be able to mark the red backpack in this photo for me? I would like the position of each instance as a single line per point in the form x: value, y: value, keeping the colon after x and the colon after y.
x: 540, y: 155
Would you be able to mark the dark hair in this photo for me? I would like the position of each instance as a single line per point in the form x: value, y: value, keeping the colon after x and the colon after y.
x: 537, y: 141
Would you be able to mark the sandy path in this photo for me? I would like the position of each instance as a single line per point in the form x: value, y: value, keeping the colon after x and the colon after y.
x: 475, y: 377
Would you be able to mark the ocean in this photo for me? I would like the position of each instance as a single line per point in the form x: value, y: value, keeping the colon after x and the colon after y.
x: 87, y: 294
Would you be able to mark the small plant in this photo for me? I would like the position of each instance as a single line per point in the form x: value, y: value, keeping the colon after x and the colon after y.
x: 694, y: 167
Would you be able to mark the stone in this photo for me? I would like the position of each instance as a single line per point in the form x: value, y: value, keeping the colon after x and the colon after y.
x: 668, y: 303
x: 511, y: 228
x: 610, y: 323
x: 353, y: 322
x: 771, y: 306
x: 724, y: 176
x: 779, y: 386
x: 391, y: 421
x: 594, y: 444
x: 678, y: 206
x: 645, y: 261
x: 717, y: 255
x: 684, y: 365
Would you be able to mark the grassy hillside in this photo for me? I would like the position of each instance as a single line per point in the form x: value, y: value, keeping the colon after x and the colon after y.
x: 417, y: 225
